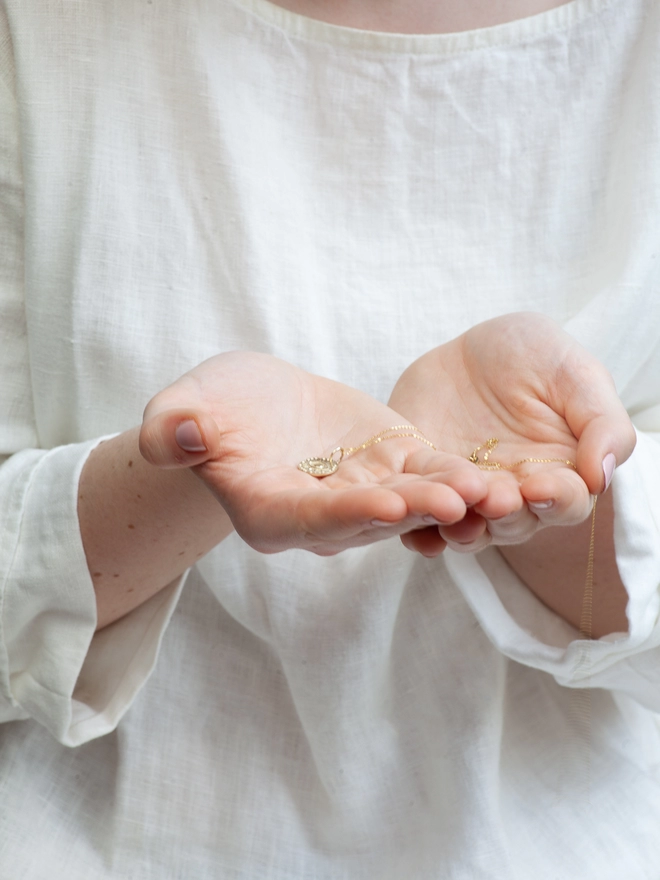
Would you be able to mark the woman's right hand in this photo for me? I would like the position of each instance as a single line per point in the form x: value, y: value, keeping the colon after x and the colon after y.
x: 248, y: 419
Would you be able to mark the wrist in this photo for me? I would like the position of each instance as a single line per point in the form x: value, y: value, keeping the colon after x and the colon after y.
x: 141, y: 526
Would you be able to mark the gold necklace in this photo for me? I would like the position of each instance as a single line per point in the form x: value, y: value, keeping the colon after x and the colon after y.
x: 324, y: 466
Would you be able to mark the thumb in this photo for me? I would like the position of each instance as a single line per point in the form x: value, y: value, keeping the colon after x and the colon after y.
x: 603, y: 445
x: 178, y: 438
x: 599, y: 421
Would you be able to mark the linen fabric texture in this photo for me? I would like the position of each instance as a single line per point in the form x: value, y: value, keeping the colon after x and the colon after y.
x: 180, y: 179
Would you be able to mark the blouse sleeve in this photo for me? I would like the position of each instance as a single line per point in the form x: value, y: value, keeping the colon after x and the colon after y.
x: 53, y: 668
x: 621, y: 326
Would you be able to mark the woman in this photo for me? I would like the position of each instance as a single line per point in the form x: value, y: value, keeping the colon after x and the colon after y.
x: 339, y: 197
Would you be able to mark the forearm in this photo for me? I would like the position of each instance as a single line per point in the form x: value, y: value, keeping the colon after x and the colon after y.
x: 141, y: 526
x: 553, y: 564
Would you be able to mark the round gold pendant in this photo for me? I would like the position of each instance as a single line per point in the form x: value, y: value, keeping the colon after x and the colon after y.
x: 319, y: 467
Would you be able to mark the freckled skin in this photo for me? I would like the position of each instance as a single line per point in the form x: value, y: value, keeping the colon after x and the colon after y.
x: 143, y: 559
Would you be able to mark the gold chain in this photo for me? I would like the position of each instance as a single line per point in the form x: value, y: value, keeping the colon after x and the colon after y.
x: 487, y: 465
x: 586, y: 617
x: 580, y: 699
x: 580, y: 708
x: 324, y: 466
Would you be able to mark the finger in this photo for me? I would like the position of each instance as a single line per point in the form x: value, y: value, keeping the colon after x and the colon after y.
x: 406, y: 505
x: 557, y: 498
x: 516, y: 528
x: 471, y: 528
x: 471, y: 546
x: 601, y: 448
x: 428, y: 499
x: 459, y: 474
x: 329, y: 521
x: 179, y: 438
x: 598, y: 419
x: 317, y: 519
x: 426, y: 541
x: 503, y: 498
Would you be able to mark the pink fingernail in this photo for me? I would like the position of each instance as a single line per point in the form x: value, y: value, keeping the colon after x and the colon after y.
x: 609, y: 464
x: 380, y: 522
x: 189, y: 437
x: 540, y: 505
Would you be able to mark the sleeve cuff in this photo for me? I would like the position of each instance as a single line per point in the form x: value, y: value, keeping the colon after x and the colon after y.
x: 525, y: 630
x: 120, y: 659
x: 53, y: 667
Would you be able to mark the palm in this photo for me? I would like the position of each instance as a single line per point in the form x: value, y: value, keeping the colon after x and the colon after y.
x: 495, y: 380
x: 522, y: 380
x: 262, y: 416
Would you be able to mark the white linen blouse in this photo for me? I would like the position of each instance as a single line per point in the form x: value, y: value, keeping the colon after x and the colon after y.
x: 184, y: 177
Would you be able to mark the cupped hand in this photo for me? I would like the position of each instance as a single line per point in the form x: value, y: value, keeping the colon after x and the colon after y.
x: 521, y: 379
x: 243, y: 421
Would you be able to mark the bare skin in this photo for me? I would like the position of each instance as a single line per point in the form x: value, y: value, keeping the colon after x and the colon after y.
x: 418, y: 16
x: 521, y: 379
x: 142, y: 526
x: 260, y: 416
x: 553, y: 564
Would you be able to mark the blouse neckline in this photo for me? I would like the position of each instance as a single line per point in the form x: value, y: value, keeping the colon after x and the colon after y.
x: 512, y: 33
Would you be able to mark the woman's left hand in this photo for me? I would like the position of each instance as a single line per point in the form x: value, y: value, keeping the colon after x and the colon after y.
x: 521, y: 379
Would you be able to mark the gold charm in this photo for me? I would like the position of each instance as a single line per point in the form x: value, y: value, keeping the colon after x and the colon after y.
x: 322, y: 467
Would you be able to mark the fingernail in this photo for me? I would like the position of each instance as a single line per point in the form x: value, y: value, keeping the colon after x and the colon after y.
x: 540, y: 505
x: 189, y: 438
x: 609, y: 463
x: 380, y: 522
